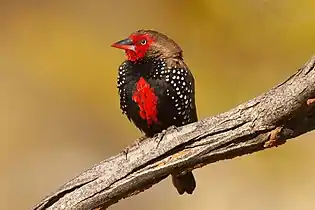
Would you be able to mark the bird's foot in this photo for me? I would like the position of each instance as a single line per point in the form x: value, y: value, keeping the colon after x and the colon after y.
x: 159, y: 136
x: 135, y: 143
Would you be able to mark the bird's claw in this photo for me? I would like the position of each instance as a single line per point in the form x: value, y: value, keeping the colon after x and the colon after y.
x: 135, y: 143
x: 126, y: 151
x: 159, y: 136
x: 173, y: 127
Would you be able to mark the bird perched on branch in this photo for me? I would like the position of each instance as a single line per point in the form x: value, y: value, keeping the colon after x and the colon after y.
x: 157, y: 89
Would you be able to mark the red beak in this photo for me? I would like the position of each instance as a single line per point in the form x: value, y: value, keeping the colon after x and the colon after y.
x: 125, y: 44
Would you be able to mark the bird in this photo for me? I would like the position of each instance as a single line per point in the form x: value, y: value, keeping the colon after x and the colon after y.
x: 157, y: 89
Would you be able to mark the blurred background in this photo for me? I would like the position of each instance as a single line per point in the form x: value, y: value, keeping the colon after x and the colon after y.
x: 59, y: 110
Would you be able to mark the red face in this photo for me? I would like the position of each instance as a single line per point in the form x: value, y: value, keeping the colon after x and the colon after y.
x: 135, y: 46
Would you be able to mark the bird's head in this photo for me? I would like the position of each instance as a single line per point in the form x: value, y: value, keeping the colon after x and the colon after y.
x: 146, y: 44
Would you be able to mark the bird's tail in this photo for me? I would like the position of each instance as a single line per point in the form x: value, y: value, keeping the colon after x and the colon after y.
x: 184, y: 182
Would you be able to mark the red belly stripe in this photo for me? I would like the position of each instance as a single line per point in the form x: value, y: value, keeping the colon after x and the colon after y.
x: 146, y: 99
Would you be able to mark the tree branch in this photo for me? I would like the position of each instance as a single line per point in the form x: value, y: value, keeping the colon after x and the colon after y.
x: 284, y: 112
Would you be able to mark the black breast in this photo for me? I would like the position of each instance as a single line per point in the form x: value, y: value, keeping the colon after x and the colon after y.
x: 173, y: 86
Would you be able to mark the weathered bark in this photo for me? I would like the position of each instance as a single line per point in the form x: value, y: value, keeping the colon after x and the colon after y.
x: 284, y: 112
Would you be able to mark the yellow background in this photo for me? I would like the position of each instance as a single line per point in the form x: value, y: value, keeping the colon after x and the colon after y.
x: 59, y: 109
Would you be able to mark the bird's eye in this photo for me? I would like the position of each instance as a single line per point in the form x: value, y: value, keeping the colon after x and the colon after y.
x: 143, y: 42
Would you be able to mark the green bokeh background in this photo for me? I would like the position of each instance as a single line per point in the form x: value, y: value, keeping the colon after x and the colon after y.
x: 59, y: 105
